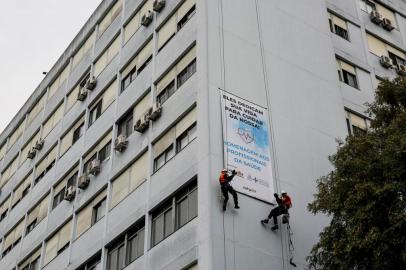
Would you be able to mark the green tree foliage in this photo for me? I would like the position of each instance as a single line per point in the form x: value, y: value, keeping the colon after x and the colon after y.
x: 365, y: 193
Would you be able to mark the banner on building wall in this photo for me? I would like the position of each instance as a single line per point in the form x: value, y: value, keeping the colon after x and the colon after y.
x: 247, y: 146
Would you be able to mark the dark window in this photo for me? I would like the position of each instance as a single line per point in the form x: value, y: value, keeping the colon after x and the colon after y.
x: 104, y: 153
x: 186, y: 137
x: 164, y: 157
x: 31, y: 226
x: 125, y: 126
x: 116, y: 257
x: 77, y: 133
x: 25, y: 191
x: 185, y: 74
x: 58, y: 198
x: 95, y: 112
x: 350, y: 79
x: 3, y: 215
x: 92, y: 264
x: 396, y: 59
x: 367, y: 6
x: 168, y: 91
x: 63, y: 248
x: 98, y: 211
x: 187, y: 17
x: 128, y: 79
x: 135, y: 245
x: 87, y: 164
x: 41, y: 175
x: 341, y: 32
x: 174, y: 214
x: 34, y: 265
x: 141, y: 68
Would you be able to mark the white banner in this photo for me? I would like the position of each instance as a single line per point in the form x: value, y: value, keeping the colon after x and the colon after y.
x: 247, y: 146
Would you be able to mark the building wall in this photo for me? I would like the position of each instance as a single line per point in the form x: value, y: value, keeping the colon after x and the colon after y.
x: 278, y: 54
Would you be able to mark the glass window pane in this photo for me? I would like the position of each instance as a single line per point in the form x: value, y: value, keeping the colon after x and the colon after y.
x: 168, y: 223
x: 140, y: 242
x: 112, y: 261
x: 132, y: 246
x: 158, y: 229
x: 192, y: 204
x: 182, y: 212
x: 121, y: 258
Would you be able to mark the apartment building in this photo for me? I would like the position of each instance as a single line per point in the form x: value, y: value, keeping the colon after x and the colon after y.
x: 113, y: 161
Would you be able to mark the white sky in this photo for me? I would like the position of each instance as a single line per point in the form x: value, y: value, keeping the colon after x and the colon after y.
x: 33, y: 34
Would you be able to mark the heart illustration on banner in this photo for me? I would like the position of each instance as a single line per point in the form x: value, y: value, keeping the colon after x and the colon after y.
x: 246, y: 135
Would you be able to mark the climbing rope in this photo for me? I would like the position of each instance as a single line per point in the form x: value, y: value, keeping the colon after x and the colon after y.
x: 290, y: 242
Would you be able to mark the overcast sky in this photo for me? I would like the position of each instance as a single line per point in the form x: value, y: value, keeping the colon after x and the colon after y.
x: 33, y: 34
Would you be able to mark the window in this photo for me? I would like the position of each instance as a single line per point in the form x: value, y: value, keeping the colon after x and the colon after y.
x: 3, y: 150
x: 9, y: 171
x: 16, y: 134
x: 84, y: 49
x: 60, y: 189
x: 32, y: 262
x: 101, y: 105
x: 109, y: 54
x: 338, y: 26
x: 176, y: 22
x: 4, y: 206
x: 45, y: 165
x: 379, y: 48
x: 347, y: 73
x: 182, y: 133
x: 135, y: 23
x: 142, y: 106
x: 367, y: 6
x: 58, y: 81
x: 126, y: 125
x: 12, y: 238
x: 37, y: 214
x: 356, y: 123
x: 22, y: 190
x: 52, y: 121
x: 92, y: 264
x: 58, y: 242
x: 193, y: 267
x: 130, y: 179
x: 36, y: 109
x: 175, y: 213
x: 91, y: 213
x: 111, y: 15
x: 31, y: 143
x: 101, y: 152
x: 386, y: 13
x: 75, y: 132
x: 72, y: 97
x: 176, y: 76
x: 186, y: 137
x: 137, y: 64
x: 126, y: 249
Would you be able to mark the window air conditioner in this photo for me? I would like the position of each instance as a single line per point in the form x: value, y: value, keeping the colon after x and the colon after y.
x: 401, y: 69
x: 121, y: 143
x: 31, y: 153
x: 91, y: 83
x: 155, y: 112
x: 39, y: 144
x: 158, y: 5
x: 387, y: 24
x: 94, y: 167
x: 84, y: 181
x: 82, y: 94
x: 70, y: 193
x: 375, y: 17
x: 385, y: 61
x: 142, y: 124
x: 146, y: 19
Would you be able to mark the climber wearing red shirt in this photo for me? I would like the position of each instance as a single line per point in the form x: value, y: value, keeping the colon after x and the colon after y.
x: 284, y: 203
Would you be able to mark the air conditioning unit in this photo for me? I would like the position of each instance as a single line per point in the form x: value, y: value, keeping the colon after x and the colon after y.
x: 146, y: 19
x: 94, y: 167
x: 39, y: 144
x: 31, y: 153
x: 375, y: 17
x: 387, y: 24
x: 156, y: 112
x: 84, y: 181
x: 70, y: 193
x: 158, y: 5
x: 142, y: 124
x: 401, y: 69
x: 121, y: 143
x: 91, y: 83
x: 82, y: 94
x: 385, y: 61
